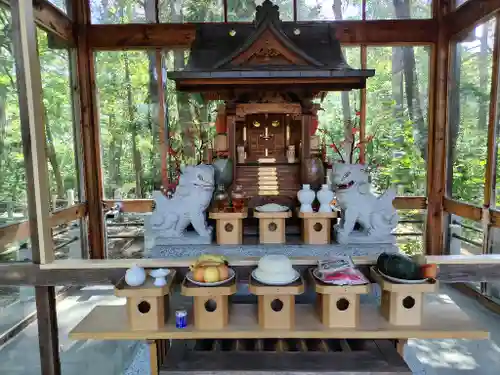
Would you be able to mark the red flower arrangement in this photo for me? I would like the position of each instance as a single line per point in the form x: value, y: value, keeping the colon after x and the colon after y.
x: 354, y: 141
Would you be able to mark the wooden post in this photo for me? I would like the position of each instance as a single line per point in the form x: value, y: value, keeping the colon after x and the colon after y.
x: 89, y: 132
x: 306, y: 125
x: 32, y: 130
x: 33, y: 136
x: 436, y: 166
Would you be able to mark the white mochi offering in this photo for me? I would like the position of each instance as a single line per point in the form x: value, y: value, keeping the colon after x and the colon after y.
x: 275, y: 270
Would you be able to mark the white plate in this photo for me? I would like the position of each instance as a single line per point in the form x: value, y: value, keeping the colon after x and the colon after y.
x: 332, y: 282
x: 295, y: 278
x: 402, y: 281
x: 271, y: 207
x: 189, y: 276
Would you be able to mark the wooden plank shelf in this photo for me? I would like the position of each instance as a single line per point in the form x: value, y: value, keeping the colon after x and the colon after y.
x: 441, y: 319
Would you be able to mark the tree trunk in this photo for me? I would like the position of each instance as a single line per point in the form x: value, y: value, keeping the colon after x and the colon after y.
x: 454, y: 111
x: 115, y: 156
x: 183, y: 105
x: 344, y: 95
x: 52, y: 156
x: 136, y: 155
x: 397, y: 84
x: 482, y: 116
x: 402, y: 10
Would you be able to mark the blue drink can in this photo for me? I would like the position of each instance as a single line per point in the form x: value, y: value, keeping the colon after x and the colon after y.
x: 181, y: 319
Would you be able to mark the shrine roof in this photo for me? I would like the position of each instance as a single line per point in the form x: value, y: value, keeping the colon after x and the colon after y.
x: 268, y: 49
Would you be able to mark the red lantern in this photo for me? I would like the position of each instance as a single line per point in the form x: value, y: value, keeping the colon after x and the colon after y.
x: 314, y: 125
x: 220, y: 123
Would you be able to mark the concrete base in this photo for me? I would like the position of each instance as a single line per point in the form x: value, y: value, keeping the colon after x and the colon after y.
x: 188, y: 251
x: 357, y: 238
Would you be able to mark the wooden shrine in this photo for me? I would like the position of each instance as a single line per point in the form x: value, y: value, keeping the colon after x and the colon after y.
x: 268, y: 74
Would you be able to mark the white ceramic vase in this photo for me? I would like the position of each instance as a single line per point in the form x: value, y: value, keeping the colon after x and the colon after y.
x: 135, y: 276
x: 325, y: 196
x: 290, y: 154
x: 306, y: 198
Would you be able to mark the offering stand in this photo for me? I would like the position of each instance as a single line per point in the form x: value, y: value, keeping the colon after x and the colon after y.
x: 210, y: 306
x: 338, y: 306
x: 316, y: 227
x: 276, y: 304
x: 402, y: 304
x: 148, y: 306
x: 229, y: 227
x: 272, y: 226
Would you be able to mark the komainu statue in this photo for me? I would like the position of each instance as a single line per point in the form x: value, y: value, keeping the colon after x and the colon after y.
x: 375, y: 215
x: 171, y: 217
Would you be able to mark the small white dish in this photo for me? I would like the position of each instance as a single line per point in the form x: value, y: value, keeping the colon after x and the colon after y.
x: 262, y: 280
x: 160, y: 276
x: 189, y: 276
x: 271, y: 207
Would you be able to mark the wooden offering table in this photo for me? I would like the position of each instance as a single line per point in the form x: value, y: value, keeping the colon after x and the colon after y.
x: 317, y: 226
x: 272, y: 226
x: 229, y: 227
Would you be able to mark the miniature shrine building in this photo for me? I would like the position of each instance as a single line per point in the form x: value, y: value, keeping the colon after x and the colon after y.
x: 268, y: 74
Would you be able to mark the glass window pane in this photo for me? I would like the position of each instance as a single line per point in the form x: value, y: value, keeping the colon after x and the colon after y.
x: 314, y: 10
x: 122, y: 11
x: 173, y: 11
x: 59, y: 127
x: 469, y: 98
x: 398, y: 9
x: 397, y: 118
x: 61, y: 4
x: 410, y: 231
x: 13, y: 193
x: 244, y: 10
x: 191, y: 120
x: 128, y: 106
x: 338, y: 107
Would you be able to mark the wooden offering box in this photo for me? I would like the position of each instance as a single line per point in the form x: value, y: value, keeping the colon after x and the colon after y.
x: 147, y: 305
x: 210, y: 303
x: 276, y: 304
x: 338, y: 306
x: 402, y: 304
x: 316, y: 227
x: 229, y: 227
x: 272, y: 226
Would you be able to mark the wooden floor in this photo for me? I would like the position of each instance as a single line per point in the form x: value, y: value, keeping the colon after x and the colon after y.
x: 278, y: 356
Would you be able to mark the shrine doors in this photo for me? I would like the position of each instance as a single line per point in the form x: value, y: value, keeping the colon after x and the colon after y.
x: 266, y: 137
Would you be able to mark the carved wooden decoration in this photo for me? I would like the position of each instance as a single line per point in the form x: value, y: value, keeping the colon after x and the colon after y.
x: 268, y: 50
x: 245, y: 109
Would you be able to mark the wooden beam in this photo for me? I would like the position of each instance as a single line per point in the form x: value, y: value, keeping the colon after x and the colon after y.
x: 31, y: 274
x: 410, y: 203
x: 465, y: 210
x: 438, y: 98
x: 48, y: 336
x: 52, y: 19
x: 146, y: 205
x: 66, y: 215
x: 89, y: 125
x: 21, y: 231
x: 32, y: 130
x: 73, y: 272
x: 468, y: 16
x: 386, y: 32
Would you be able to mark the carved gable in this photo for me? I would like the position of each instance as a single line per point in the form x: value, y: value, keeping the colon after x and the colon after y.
x: 267, y: 50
